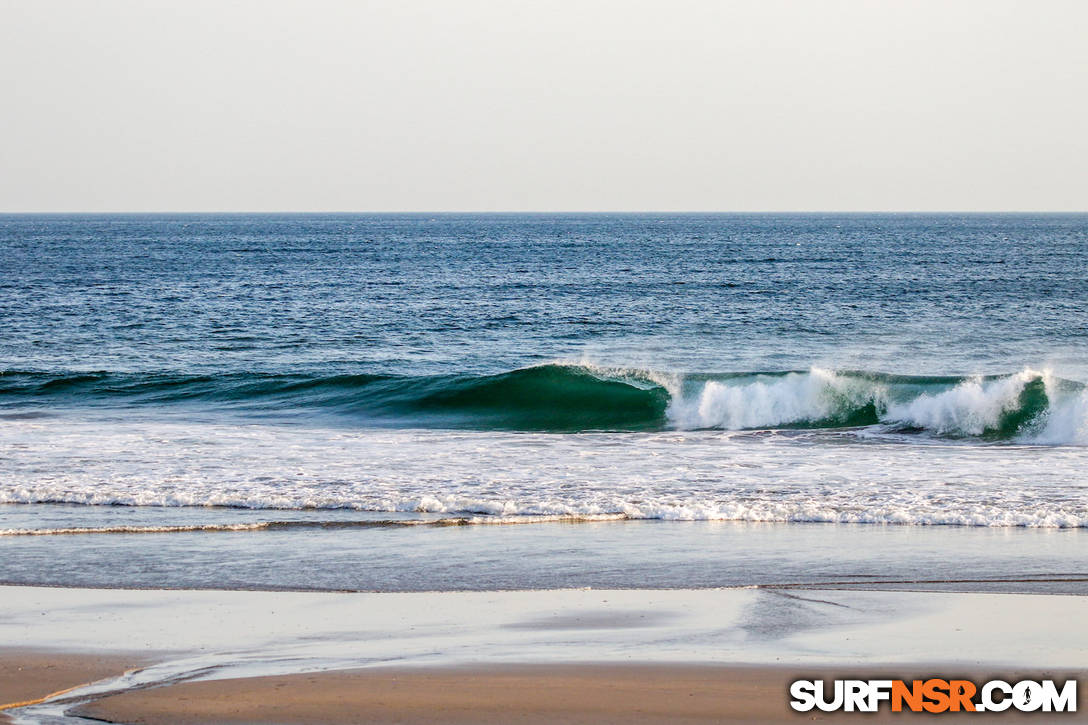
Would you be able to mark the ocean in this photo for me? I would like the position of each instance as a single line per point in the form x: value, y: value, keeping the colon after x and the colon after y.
x: 352, y: 401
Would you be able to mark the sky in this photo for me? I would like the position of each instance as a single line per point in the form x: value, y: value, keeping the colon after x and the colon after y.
x: 508, y: 105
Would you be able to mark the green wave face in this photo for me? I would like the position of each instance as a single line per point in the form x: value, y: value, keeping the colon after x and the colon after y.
x: 546, y: 398
x: 571, y: 398
x: 1031, y: 405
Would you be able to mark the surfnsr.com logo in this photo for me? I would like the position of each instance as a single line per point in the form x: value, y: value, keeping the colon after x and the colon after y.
x: 933, y: 695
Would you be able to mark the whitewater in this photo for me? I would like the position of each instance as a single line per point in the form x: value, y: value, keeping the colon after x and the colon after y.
x: 1028, y: 406
x: 746, y: 448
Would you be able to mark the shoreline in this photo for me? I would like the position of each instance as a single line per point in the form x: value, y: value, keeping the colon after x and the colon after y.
x: 892, y: 586
x: 317, y: 648
x: 29, y: 677
x: 748, y: 625
x: 357, y: 556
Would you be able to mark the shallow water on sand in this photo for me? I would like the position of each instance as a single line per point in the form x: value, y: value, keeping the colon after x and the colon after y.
x: 346, y: 550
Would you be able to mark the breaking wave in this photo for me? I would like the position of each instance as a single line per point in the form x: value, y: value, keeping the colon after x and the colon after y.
x: 1027, y: 406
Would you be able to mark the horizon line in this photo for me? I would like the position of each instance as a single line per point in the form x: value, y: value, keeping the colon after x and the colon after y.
x: 547, y: 211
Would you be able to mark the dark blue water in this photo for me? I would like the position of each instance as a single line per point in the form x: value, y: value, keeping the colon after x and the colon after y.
x: 423, y: 294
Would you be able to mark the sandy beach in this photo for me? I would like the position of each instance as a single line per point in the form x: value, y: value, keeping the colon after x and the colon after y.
x: 531, y: 694
x: 525, y: 694
x: 579, y: 656
x: 28, y: 676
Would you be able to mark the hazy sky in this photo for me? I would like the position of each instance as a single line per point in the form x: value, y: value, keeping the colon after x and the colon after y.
x: 506, y: 105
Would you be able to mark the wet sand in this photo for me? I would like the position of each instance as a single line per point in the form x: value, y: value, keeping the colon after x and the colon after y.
x: 28, y: 676
x: 512, y: 694
x: 526, y: 694
x: 252, y: 633
x: 575, y: 656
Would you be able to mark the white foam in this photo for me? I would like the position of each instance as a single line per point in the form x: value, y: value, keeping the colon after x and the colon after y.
x: 771, y: 401
x: 1067, y: 420
x: 678, y: 475
x: 72, y: 530
x: 971, y: 408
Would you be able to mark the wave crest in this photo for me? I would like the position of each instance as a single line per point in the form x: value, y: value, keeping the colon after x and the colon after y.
x: 1027, y: 406
x: 816, y: 399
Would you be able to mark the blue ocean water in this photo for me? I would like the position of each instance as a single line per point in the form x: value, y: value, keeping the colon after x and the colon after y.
x: 885, y: 369
x: 320, y: 295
